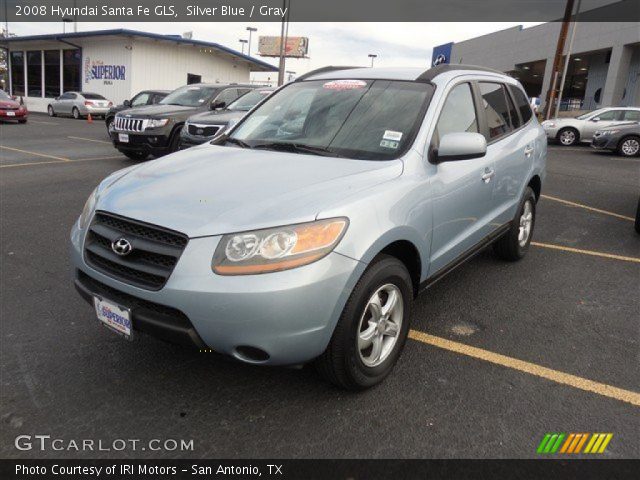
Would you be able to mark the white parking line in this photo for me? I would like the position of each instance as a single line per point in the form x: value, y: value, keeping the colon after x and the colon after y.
x: 90, y: 140
x: 44, y: 123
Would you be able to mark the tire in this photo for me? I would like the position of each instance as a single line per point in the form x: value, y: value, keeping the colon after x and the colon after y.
x: 109, y: 122
x: 637, y: 224
x: 512, y: 246
x: 629, y: 146
x: 22, y: 121
x: 568, y: 136
x: 50, y: 111
x: 135, y: 155
x: 76, y: 113
x: 174, y: 144
x: 351, y: 367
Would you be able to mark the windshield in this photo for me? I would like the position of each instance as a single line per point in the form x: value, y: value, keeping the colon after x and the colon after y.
x: 189, y: 96
x: 4, y: 95
x: 363, y: 119
x: 92, y: 96
x: 249, y: 100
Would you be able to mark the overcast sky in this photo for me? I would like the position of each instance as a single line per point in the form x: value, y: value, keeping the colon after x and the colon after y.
x: 396, y: 44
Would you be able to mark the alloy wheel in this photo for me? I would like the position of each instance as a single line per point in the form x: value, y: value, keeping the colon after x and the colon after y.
x: 568, y: 137
x: 380, y: 325
x: 526, y: 223
x: 630, y: 147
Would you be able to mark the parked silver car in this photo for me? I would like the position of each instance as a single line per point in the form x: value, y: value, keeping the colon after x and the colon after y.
x: 570, y: 131
x: 305, y: 233
x: 623, y: 138
x: 79, y: 104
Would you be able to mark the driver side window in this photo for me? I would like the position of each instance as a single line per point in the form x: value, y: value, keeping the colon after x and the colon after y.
x: 458, y: 114
x: 140, y: 99
x: 610, y: 115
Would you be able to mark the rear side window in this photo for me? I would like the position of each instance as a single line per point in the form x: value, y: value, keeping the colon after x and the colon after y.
x: 93, y: 96
x: 496, y: 109
x: 458, y: 113
x: 513, y: 113
x: 522, y: 103
x: 632, y: 115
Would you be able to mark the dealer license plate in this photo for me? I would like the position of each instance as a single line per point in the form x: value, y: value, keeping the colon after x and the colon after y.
x: 11, y: 114
x: 114, y: 317
x: 123, y: 137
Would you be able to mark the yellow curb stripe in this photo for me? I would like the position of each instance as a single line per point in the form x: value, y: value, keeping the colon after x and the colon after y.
x: 28, y: 164
x: 528, y: 367
x: 586, y: 252
x: 90, y: 140
x: 587, y: 207
x: 605, y: 443
x: 587, y: 449
x: 582, y: 440
x: 62, y: 159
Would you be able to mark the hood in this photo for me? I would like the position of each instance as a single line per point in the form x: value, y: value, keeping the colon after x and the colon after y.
x: 159, y: 110
x: 212, y: 190
x: 220, y: 117
x: 9, y: 104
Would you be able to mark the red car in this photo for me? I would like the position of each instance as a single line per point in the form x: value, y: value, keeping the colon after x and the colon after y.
x: 11, y: 110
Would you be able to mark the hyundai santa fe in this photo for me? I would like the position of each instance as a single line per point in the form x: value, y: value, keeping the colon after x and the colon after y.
x: 304, y: 232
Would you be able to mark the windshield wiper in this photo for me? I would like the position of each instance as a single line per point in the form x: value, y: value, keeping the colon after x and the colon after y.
x: 297, y: 148
x: 236, y: 141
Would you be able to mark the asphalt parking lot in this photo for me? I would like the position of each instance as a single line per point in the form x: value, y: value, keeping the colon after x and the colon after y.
x: 500, y: 353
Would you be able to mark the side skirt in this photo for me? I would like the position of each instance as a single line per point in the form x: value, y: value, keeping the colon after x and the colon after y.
x: 472, y: 252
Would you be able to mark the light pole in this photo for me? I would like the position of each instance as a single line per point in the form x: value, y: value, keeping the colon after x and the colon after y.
x: 291, y: 74
x: 64, y: 22
x: 250, y: 30
x: 372, y: 56
x: 243, y: 42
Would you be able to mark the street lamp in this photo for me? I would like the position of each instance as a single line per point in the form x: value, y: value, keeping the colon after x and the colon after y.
x: 291, y: 74
x: 64, y: 21
x: 243, y: 42
x: 372, y: 56
x: 250, y: 30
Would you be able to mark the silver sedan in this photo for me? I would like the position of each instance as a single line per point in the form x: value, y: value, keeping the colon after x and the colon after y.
x: 79, y: 104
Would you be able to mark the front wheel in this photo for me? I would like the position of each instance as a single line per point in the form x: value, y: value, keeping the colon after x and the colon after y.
x: 514, y: 244
x: 50, y: 111
x: 372, y: 329
x: 76, y: 113
x: 568, y: 137
x: 629, y: 146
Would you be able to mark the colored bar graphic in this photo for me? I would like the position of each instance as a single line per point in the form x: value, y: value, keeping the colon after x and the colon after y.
x: 572, y: 443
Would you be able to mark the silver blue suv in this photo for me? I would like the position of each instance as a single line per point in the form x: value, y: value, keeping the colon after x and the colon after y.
x: 305, y: 232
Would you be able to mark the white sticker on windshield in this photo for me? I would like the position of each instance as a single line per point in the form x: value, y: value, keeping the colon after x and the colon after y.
x: 344, y: 84
x: 389, y: 144
x: 392, y: 135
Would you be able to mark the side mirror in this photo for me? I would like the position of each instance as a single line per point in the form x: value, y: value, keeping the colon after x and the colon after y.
x: 57, y: 98
x: 218, y: 105
x: 595, y: 119
x: 127, y: 103
x: 460, y: 146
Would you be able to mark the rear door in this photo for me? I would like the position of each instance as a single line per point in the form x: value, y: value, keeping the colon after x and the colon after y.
x: 463, y: 189
x: 513, y: 148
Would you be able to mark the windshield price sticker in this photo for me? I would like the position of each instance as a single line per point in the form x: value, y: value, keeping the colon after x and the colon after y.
x: 344, y: 84
x: 389, y: 144
x: 392, y: 135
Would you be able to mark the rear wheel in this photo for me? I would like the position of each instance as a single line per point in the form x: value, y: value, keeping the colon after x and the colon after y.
x: 50, y: 111
x: 568, y: 136
x: 372, y: 329
x: 629, y: 146
x: 76, y: 113
x: 109, y: 122
x: 135, y: 155
x: 514, y: 244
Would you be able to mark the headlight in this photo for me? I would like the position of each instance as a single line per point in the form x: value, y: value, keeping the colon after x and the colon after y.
x: 89, y: 205
x: 277, y: 249
x: 609, y: 132
x: 548, y: 123
x: 157, y: 122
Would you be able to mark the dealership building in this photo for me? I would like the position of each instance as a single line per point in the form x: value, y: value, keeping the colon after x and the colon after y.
x: 117, y: 64
x: 604, y: 65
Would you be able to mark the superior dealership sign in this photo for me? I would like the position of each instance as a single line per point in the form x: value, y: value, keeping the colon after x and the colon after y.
x: 97, y: 70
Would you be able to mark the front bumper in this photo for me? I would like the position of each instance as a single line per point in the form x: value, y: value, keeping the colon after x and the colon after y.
x: 551, y: 132
x: 290, y: 315
x: 13, y: 114
x: 605, y: 142
x: 150, y: 144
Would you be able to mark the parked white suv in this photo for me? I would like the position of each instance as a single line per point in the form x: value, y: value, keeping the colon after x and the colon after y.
x: 569, y: 131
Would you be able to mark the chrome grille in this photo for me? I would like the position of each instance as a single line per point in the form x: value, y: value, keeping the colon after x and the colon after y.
x: 202, y: 130
x: 153, y: 257
x: 129, y: 124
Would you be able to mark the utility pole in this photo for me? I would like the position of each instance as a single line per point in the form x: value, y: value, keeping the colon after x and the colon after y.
x: 557, y: 60
x: 567, y: 58
x: 283, y: 40
x: 250, y: 30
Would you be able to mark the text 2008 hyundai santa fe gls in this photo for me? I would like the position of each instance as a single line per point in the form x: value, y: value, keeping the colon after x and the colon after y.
x: 305, y: 233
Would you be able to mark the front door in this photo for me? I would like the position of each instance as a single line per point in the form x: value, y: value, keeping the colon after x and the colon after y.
x: 600, y: 121
x: 463, y: 189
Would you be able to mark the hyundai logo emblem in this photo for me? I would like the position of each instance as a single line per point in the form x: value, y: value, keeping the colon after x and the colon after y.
x: 440, y: 59
x: 121, y: 246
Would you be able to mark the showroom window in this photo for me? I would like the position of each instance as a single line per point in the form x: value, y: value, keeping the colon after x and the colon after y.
x: 71, y: 61
x: 34, y: 73
x: 17, y: 73
x: 51, y: 73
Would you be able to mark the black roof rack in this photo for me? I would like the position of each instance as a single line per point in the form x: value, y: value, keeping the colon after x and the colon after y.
x: 318, y: 71
x: 433, y: 72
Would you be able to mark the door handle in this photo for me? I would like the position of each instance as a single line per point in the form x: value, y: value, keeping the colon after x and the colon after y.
x: 528, y: 151
x: 488, y: 175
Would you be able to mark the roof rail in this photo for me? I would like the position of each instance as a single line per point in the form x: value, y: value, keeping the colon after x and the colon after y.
x: 433, y: 72
x: 318, y: 71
